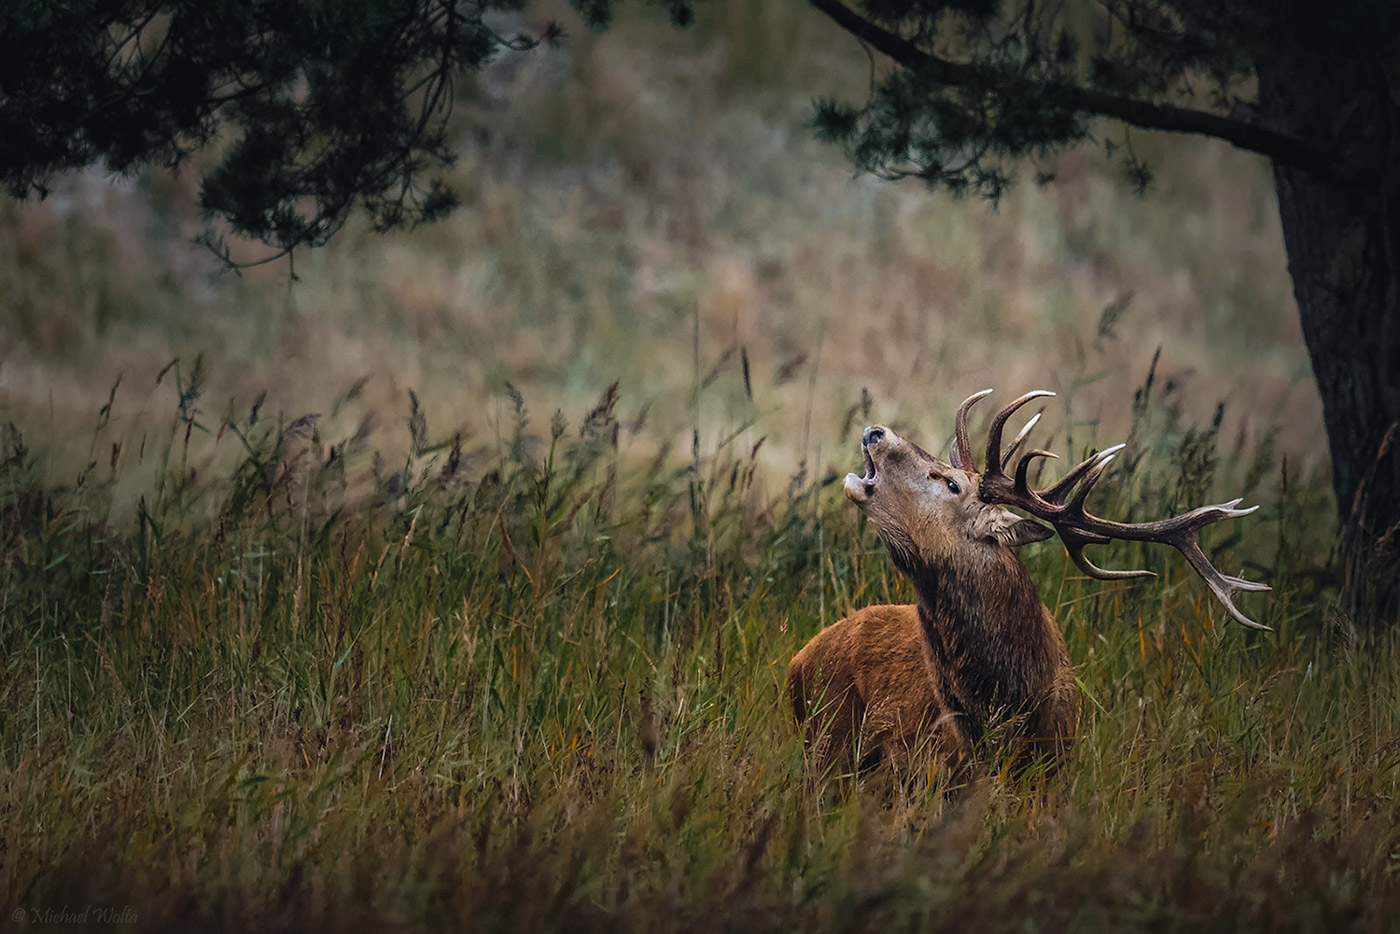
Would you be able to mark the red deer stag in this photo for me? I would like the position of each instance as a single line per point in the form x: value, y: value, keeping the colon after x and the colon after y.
x: 979, y: 648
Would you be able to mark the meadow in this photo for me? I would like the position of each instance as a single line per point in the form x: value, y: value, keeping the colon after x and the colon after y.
x: 452, y: 585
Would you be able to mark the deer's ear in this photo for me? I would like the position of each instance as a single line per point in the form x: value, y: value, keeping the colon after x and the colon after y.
x: 1013, y: 531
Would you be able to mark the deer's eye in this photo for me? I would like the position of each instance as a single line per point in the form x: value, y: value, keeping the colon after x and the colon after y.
x: 952, y: 485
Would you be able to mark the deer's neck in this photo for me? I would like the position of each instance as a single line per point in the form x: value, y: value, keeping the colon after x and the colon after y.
x: 992, y: 646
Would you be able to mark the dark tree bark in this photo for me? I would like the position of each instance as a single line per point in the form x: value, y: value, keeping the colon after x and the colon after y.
x: 1343, y: 244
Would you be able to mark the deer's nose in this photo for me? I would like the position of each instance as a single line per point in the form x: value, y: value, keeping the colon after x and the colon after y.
x: 872, y: 436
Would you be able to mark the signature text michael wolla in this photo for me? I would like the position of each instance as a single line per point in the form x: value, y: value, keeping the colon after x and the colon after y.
x: 91, y: 914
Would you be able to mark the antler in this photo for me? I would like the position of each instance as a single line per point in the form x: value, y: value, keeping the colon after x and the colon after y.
x: 1062, y: 505
x: 962, y: 448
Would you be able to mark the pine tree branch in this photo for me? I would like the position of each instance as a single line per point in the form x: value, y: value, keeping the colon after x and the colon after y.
x: 1279, y: 147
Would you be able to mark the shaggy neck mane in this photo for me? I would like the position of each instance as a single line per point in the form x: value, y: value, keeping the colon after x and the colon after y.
x: 985, y: 626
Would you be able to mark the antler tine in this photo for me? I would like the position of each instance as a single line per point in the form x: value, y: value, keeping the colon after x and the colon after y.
x: 1057, y: 494
x: 1075, y: 506
x: 1222, y: 585
x: 1021, y: 436
x: 962, y: 447
x: 994, y: 461
x: 1023, y: 469
x: 1076, y: 554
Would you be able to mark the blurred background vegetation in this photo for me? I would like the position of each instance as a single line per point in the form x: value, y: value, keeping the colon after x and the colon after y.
x: 649, y: 206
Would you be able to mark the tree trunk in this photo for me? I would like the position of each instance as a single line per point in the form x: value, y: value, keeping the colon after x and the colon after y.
x: 1343, y: 244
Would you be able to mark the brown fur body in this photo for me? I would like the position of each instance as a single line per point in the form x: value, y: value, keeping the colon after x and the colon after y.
x: 979, y: 652
x: 887, y: 706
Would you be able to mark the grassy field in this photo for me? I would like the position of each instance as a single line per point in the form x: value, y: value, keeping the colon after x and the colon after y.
x: 543, y: 692
x: 379, y: 604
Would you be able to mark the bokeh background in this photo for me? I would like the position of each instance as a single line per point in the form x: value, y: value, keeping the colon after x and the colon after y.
x: 650, y: 206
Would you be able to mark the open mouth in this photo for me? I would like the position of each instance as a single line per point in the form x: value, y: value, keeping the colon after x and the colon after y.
x: 859, y: 488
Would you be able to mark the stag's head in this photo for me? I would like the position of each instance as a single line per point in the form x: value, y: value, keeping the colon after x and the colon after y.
x: 928, y: 510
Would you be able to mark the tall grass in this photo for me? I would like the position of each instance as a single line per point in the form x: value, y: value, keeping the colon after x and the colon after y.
x: 532, y: 682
